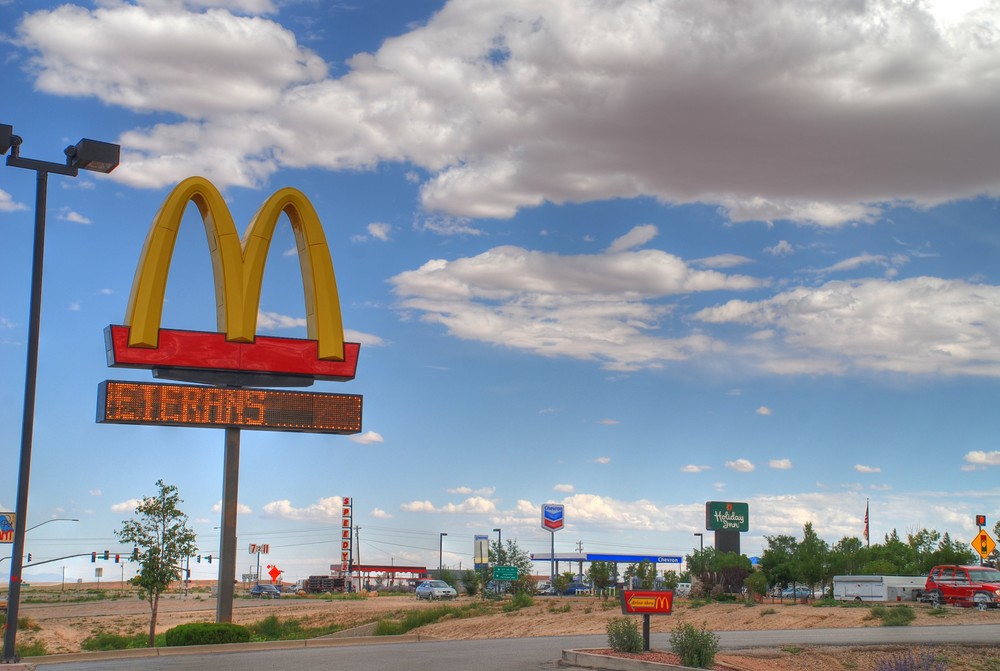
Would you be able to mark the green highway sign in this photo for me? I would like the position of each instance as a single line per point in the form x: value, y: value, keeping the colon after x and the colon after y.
x: 505, y: 573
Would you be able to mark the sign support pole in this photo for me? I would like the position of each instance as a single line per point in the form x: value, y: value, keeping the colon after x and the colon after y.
x: 645, y: 632
x: 227, y: 551
x: 552, y: 557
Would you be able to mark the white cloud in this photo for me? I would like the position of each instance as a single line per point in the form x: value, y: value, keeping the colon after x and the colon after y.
x: 783, y: 248
x: 862, y: 468
x: 275, y: 320
x: 94, y: 492
x: 366, y: 339
x: 637, y: 237
x: 763, y: 411
x: 604, y: 307
x: 323, y: 510
x: 565, y: 489
x: 474, y: 505
x: 66, y: 214
x: 367, y: 438
x: 693, y: 468
x: 380, y: 514
x: 723, y: 261
x: 741, y: 465
x: 780, y: 464
x: 609, y: 422
x: 920, y: 325
x: 7, y: 204
x: 380, y: 231
x: 125, y: 506
x: 74, y: 306
x: 601, y: 460
x: 980, y: 458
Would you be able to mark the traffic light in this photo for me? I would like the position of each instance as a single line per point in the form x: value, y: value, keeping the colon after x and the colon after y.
x: 107, y: 555
x: 93, y: 557
x: 980, y: 521
x: 199, y: 559
x: 118, y: 558
x: 29, y: 556
x: 209, y: 558
x: 135, y: 553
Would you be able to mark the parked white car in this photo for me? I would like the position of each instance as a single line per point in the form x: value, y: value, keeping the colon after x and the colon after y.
x: 683, y: 589
x: 435, y: 589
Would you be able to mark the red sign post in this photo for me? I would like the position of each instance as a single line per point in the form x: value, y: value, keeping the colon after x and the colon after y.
x: 646, y: 603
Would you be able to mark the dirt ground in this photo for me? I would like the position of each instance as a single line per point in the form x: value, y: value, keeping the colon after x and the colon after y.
x: 62, y: 626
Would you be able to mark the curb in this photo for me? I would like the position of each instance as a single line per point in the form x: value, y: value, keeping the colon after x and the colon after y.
x: 138, y: 653
x: 589, y: 660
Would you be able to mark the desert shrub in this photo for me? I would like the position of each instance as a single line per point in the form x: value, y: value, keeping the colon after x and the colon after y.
x: 623, y: 635
x: 520, y: 600
x: 907, y: 661
x: 896, y: 616
x: 695, y: 647
x: 206, y: 633
x: 31, y: 649
x: 470, y: 582
x: 103, y: 640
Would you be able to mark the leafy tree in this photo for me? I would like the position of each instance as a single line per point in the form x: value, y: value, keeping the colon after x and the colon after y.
x: 602, y: 574
x: 162, y: 539
x: 811, y: 557
x: 644, y: 574
x: 561, y: 582
x: 756, y: 583
x: 777, y: 560
x: 847, y: 556
x: 510, y: 554
x: 471, y: 582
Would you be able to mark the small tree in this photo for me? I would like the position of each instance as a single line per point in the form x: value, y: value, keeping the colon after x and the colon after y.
x: 602, y: 576
x: 644, y: 574
x: 161, y: 539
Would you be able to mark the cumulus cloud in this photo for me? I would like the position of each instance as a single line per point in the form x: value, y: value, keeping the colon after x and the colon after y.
x: 380, y: 514
x: 474, y: 505
x: 368, y: 438
x: 125, y: 506
x: 862, y: 468
x: 741, y: 465
x: 323, y: 510
x: 694, y: 468
x: 980, y: 458
x: 7, y: 203
x: 509, y: 105
x: 601, y: 460
x: 763, y: 411
x: 566, y: 489
x: 606, y: 307
x: 241, y: 508
x: 780, y: 464
x: 66, y: 214
x: 920, y: 325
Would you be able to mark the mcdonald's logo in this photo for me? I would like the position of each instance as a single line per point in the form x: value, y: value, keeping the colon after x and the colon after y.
x: 238, y: 269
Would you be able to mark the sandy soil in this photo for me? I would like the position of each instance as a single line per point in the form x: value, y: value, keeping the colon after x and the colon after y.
x: 62, y: 626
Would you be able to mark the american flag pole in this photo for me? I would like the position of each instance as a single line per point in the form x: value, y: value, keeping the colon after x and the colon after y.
x: 867, y: 540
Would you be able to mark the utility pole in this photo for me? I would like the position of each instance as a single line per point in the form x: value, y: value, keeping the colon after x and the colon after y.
x: 357, y: 547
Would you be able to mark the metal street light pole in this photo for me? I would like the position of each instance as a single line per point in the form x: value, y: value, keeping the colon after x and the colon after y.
x: 499, y: 537
x: 440, y: 552
x: 701, y: 551
x: 89, y: 155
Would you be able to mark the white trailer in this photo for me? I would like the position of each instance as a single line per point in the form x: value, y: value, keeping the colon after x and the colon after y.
x: 878, y: 587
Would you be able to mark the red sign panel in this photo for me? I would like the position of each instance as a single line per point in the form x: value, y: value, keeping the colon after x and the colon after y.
x: 640, y: 602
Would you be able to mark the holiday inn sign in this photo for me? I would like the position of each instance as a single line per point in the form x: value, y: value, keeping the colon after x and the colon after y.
x: 727, y: 516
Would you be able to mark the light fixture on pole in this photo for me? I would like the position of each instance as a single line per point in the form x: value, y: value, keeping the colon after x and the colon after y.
x: 499, y: 537
x: 87, y: 155
x: 701, y: 549
x: 441, y: 552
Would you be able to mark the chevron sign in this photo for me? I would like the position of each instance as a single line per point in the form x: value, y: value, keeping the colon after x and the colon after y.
x: 553, y: 516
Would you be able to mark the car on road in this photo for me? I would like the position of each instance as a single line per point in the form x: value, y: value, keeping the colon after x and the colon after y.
x: 577, y: 587
x: 544, y: 587
x: 796, y: 593
x: 435, y: 589
x: 977, y: 586
x: 265, y: 592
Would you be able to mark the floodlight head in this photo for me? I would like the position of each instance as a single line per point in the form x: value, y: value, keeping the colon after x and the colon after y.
x: 6, y: 137
x: 93, y: 155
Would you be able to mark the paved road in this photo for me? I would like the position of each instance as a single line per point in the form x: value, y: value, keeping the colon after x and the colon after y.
x: 523, y: 654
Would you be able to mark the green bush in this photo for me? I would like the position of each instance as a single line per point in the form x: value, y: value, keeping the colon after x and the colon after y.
x: 520, y: 600
x: 695, y: 647
x: 206, y: 633
x: 31, y: 649
x: 623, y: 635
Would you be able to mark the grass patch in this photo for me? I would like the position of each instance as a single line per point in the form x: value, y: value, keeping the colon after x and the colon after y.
x: 418, y: 618
x: 272, y: 628
x: 565, y: 608
x: 791, y: 649
x: 768, y: 611
x: 31, y: 649
x: 938, y: 611
x: 895, y: 616
x: 103, y: 640
x: 520, y: 600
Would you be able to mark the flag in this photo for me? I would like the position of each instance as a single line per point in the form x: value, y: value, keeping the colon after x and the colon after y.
x: 866, y: 520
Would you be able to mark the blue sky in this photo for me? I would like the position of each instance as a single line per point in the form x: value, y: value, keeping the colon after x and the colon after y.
x: 625, y: 256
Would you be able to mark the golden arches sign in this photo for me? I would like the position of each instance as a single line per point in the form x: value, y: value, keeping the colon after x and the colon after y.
x: 238, y: 267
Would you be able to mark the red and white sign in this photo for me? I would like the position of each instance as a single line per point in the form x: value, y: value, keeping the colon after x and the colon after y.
x: 642, y: 602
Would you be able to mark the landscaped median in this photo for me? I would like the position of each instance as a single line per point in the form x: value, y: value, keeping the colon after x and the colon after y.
x: 609, y: 660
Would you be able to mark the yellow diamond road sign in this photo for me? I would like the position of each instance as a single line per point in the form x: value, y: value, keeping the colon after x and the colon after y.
x: 983, y: 544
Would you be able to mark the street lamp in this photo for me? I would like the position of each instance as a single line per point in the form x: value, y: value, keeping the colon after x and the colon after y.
x: 499, y: 537
x: 701, y: 551
x: 440, y: 552
x: 54, y: 519
x: 88, y: 155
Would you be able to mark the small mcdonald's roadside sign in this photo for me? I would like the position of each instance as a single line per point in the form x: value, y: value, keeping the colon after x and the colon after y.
x: 643, y: 602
